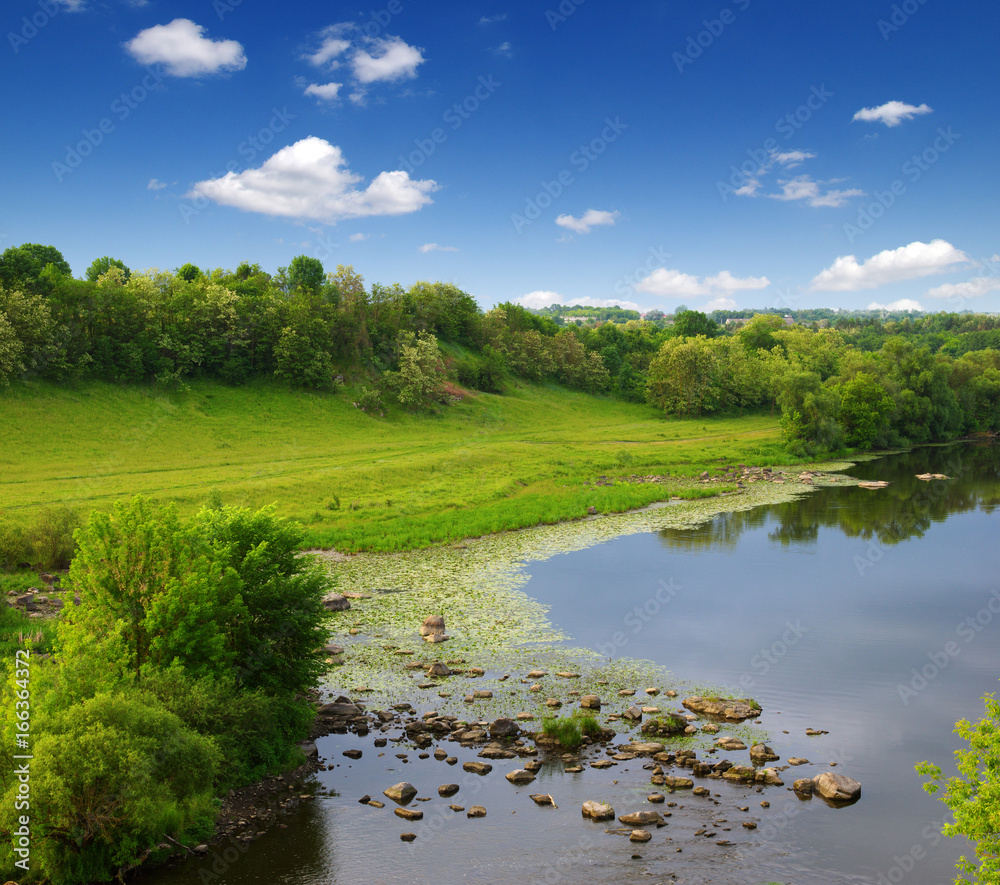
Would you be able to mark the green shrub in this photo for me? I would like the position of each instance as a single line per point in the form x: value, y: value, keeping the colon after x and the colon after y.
x: 109, y: 778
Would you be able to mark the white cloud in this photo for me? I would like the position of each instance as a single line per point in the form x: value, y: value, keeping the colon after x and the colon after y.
x: 590, y: 218
x: 390, y: 59
x: 724, y: 281
x: 889, y: 266
x: 332, y: 46
x: 155, y: 185
x: 434, y: 247
x: 720, y: 303
x: 504, y: 50
x: 804, y: 187
x: 901, y: 304
x: 310, y: 180
x: 493, y: 19
x: 324, y: 91
x: 544, y: 298
x: 184, y: 50
x: 974, y: 288
x: 892, y: 113
x: 357, y: 238
x: 791, y: 159
x: 674, y: 284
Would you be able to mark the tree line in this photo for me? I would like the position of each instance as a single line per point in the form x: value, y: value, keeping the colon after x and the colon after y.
x: 855, y: 381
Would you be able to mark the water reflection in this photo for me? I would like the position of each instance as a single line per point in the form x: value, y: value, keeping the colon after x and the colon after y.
x: 905, y: 509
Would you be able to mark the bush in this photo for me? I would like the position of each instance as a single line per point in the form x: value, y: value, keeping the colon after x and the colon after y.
x: 109, y: 778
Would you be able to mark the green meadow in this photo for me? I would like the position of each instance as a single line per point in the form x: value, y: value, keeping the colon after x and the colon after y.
x: 357, y: 482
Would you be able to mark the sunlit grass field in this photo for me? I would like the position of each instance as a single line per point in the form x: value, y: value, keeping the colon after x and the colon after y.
x: 356, y: 482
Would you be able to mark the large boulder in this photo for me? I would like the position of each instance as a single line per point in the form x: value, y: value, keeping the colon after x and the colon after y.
x: 504, y: 728
x: 733, y: 709
x: 837, y: 787
x: 641, y: 818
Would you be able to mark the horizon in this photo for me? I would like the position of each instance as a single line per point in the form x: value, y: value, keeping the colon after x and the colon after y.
x: 720, y: 155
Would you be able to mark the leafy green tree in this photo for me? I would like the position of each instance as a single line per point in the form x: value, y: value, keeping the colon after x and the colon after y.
x: 865, y: 409
x: 684, y: 377
x: 420, y: 379
x: 110, y: 777
x: 758, y: 333
x: 21, y: 266
x: 189, y: 272
x: 973, y: 797
x: 809, y: 414
x: 35, y: 342
x: 100, y: 266
x: 306, y: 272
x: 689, y: 323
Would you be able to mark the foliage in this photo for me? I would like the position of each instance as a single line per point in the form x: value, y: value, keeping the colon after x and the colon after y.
x: 809, y: 414
x: 21, y: 267
x: 109, y: 777
x: 420, y: 380
x: 100, y: 266
x: 973, y: 796
x: 306, y: 273
x: 865, y: 408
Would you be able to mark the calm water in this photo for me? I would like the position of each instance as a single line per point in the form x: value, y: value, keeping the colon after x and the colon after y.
x: 865, y: 613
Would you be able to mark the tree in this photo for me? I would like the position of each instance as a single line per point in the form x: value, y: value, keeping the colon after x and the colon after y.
x: 21, y: 266
x: 420, y: 379
x: 809, y: 414
x: 100, y: 266
x: 865, y: 408
x: 688, y: 323
x: 189, y: 272
x: 973, y: 796
x: 306, y: 273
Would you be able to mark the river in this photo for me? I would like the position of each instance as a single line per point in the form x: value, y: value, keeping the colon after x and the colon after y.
x: 873, y: 615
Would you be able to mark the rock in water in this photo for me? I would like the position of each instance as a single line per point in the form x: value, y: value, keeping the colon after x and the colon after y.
x: 431, y: 625
x: 336, y: 603
x: 836, y: 787
x: 401, y: 792
x: 641, y: 818
x: 639, y: 836
x: 519, y: 776
x: 735, y: 709
x: 598, y: 810
x: 590, y: 702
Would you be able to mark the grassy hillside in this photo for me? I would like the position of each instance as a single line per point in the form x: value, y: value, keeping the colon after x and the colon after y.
x: 357, y: 482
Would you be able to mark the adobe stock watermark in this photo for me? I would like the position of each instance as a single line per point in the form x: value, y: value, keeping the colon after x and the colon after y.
x: 938, y: 660
x: 899, y: 15
x: 453, y: 118
x: 912, y: 170
x: 566, y: 8
x: 580, y: 159
x: 657, y: 259
x: 637, y: 619
x: 120, y: 110
x: 767, y: 658
x: 713, y: 28
x: 248, y: 150
x: 21, y: 840
x: 30, y: 27
x: 785, y: 126
x: 903, y: 865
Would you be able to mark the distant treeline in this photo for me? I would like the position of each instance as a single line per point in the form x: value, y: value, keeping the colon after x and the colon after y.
x: 843, y: 380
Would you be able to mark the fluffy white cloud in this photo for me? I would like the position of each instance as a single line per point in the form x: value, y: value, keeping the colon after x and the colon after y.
x: 591, y: 218
x: 434, y: 247
x: 892, y: 113
x: 324, y: 91
x: 310, y: 180
x: 155, y: 185
x: 504, y: 50
x: 390, y: 59
x: 493, y: 19
x: 674, y: 284
x: 801, y: 187
x: 889, y: 266
x: 974, y: 288
x: 901, y: 304
x: 184, y: 50
x: 357, y: 238
x: 544, y: 298
x: 791, y: 159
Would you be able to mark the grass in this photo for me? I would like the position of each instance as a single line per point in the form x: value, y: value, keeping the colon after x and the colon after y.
x: 569, y: 730
x: 357, y: 483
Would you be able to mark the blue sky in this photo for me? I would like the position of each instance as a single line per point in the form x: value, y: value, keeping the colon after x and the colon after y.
x: 732, y: 153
